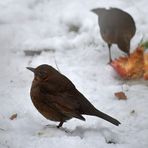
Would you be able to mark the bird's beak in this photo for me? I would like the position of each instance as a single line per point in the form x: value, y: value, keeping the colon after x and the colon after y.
x: 31, y: 69
x: 98, y: 11
x: 94, y: 11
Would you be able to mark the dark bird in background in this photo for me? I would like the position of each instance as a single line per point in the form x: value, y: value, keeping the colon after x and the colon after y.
x: 116, y: 27
x: 57, y: 98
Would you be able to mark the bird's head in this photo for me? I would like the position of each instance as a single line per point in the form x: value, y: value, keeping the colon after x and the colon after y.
x: 42, y: 72
x: 124, y: 45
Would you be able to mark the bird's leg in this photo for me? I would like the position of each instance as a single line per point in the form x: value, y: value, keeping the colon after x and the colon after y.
x: 60, y: 124
x: 110, y: 58
x: 128, y: 54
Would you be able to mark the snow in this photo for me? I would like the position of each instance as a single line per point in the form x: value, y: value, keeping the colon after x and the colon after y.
x: 71, y: 34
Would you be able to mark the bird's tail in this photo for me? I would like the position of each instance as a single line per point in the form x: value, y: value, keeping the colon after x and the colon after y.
x: 106, y: 117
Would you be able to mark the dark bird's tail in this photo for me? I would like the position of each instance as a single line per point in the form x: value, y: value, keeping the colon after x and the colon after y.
x: 106, y: 117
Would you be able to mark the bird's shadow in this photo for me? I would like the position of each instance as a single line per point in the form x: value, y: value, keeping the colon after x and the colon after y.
x: 131, y: 82
x: 136, y: 82
x: 109, y: 136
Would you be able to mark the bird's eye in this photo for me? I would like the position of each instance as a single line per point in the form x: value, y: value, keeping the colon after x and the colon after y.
x: 43, y: 74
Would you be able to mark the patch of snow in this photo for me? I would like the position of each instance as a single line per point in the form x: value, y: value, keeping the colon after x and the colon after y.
x: 70, y: 31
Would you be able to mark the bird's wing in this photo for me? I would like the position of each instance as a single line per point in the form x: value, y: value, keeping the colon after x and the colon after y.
x: 64, y: 103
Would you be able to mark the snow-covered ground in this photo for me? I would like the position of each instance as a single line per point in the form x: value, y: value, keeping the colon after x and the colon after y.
x: 68, y: 34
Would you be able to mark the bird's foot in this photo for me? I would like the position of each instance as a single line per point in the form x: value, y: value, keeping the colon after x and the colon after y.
x: 109, y: 63
x: 60, y: 124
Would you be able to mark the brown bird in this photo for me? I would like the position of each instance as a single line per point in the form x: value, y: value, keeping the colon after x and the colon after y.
x: 57, y: 98
x: 116, y: 27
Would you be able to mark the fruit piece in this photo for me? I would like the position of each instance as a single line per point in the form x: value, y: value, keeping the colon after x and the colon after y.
x: 130, y: 67
x: 14, y: 116
x: 145, y: 66
x: 121, y: 95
